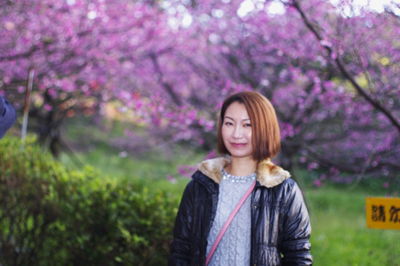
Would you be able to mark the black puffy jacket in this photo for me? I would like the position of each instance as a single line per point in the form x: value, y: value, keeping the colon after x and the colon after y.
x: 279, y: 218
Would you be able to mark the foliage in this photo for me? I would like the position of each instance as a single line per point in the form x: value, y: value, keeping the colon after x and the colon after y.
x: 331, y: 72
x: 78, y: 52
x: 49, y: 214
x: 25, y: 178
x: 87, y: 218
x: 340, y: 235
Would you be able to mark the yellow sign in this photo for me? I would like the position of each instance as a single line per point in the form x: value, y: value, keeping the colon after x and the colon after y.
x: 383, y: 213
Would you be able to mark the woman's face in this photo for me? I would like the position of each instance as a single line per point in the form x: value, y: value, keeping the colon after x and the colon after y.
x: 236, y: 131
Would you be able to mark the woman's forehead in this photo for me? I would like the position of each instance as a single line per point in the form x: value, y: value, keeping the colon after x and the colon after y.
x: 237, y: 111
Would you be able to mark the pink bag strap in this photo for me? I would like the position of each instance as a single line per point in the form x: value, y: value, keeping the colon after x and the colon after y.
x: 228, y: 222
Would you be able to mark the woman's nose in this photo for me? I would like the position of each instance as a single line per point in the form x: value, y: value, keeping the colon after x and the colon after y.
x: 237, y: 132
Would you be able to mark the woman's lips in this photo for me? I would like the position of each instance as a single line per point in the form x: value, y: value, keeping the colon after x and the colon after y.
x: 238, y: 145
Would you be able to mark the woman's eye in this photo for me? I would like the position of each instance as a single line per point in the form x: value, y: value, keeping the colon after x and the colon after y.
x: 228, y: 123
x: 247, y: 125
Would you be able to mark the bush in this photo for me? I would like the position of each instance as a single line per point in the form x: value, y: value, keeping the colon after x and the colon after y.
x: 52, y: 216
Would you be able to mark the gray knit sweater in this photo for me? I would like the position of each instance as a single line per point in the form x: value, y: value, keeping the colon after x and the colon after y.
x: 234, y: 248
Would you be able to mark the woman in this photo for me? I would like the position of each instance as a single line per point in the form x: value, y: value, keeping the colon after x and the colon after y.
x: 272, y: 226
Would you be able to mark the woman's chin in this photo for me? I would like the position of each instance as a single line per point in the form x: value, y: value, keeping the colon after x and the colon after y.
x: 240, y: 155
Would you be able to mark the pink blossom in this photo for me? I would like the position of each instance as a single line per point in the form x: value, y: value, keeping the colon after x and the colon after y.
x: 47, y: 107
x: 317, y: 183
x: 312, y: 166
x: 171, y: 179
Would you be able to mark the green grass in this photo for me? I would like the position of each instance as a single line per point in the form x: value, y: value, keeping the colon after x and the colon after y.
x: 151, y: 168
x: 339, y: 237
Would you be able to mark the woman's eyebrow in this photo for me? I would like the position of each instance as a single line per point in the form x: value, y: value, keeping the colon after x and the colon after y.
x: 234, y: 119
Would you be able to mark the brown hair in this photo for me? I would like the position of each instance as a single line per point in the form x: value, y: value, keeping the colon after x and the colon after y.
x: 266, y: 139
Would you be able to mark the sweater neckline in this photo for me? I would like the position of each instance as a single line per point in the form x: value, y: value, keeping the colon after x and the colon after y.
x: 237, y: 179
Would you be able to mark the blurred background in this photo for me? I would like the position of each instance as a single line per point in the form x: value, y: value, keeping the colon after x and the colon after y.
x: 118, y: 100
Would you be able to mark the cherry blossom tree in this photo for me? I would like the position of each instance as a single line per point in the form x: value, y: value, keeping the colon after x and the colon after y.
x: 80, y: 52
x: 330, y: 70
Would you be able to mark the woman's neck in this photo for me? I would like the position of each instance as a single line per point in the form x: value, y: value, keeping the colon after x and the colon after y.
x: 241, y: 166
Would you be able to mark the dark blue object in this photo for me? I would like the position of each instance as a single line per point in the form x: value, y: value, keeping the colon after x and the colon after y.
x: 7, y: 116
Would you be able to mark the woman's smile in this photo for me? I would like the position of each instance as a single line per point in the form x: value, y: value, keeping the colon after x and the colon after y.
x: 238, y: 145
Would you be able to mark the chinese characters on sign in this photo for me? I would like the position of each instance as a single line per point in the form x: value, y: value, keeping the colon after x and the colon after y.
x: 383, y: 213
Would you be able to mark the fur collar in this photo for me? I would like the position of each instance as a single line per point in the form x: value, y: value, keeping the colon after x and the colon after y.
x: 268, y: 174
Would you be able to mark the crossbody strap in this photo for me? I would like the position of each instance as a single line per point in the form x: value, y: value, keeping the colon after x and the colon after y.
x: 228, y: 222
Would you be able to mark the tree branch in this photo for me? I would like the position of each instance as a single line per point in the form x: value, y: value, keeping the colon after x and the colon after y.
x: 343, y: 69
x: 165, y: 85
x: 19, y: 55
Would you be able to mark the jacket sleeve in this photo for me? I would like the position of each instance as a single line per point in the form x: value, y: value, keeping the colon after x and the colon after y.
x: 180, y: 248
x: 295, y: 245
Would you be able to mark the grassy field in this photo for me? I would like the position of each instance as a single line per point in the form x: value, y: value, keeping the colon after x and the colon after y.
x: 340, y: 235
